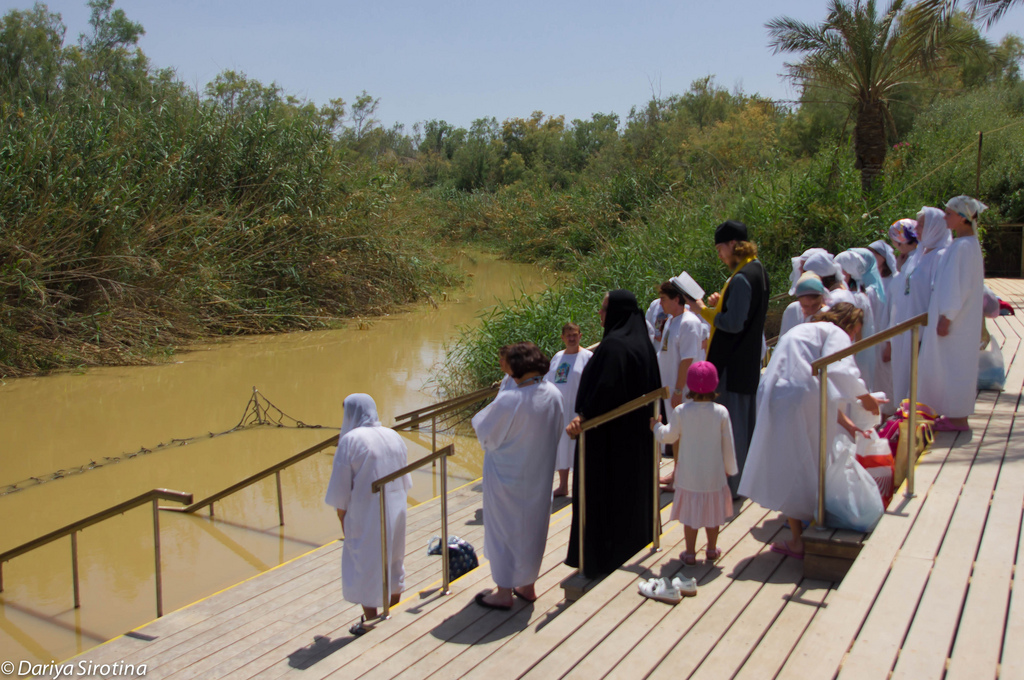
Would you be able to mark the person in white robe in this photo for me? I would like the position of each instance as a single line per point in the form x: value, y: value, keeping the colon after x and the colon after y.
x: 914, y: 295
x: 862, y: 275
x: 903, y: 234
x: 885, y: 259
x: 782, y: 466
x: 810, y: 299
x: 366, y: 452
x: 564, y: 373
x: 948, y: 369
x: 519, y: 432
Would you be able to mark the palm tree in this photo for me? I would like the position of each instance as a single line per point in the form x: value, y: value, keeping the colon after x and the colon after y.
x: 990, y: 11
x: 867, y: 58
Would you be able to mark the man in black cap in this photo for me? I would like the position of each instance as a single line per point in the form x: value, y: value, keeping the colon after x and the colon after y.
x: 735, y: 347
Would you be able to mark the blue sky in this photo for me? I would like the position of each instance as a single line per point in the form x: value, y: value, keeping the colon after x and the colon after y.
x: 458, y: 61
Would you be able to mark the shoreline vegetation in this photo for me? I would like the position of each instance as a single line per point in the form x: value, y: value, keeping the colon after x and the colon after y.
x: 137, y: 213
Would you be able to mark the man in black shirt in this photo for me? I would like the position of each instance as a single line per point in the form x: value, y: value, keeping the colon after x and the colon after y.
x: 736, y: 344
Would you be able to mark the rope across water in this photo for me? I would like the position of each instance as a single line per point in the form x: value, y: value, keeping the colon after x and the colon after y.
x: 259, y: 411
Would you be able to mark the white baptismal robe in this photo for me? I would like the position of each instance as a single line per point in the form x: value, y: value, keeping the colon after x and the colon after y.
x: 910, y: 297
x: 363, y: 456
x: 794, y: 315
x: 781, y: 472
x: 519, y: 432
x: 564, y: 374
x: 866, y: 359
x: 948, y: 366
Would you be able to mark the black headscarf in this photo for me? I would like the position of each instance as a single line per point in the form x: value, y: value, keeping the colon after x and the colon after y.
x: 624, y: 366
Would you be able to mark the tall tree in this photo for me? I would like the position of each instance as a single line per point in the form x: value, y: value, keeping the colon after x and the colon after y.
x: 865, y: 58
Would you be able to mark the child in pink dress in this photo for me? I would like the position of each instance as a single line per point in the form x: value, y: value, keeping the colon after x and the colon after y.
x: 706, y: 456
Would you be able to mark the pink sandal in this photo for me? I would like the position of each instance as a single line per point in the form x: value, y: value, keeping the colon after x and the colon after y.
x: 712, y: 555
x: 689, y: 558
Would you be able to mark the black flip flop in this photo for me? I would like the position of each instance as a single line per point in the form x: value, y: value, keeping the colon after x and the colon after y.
x: 359, y: 629
x: 523, y: 597
x: 479, y: 599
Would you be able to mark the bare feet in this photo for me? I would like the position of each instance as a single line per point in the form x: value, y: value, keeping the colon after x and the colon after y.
x: 496, y: 599
x: 528, y: 593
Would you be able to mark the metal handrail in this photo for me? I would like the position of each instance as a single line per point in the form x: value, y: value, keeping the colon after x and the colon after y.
x: 821, y: 366
x: 72, y: 530
x: 378, y: 485
x: 476, y: 395
x: 656, y: 396
x: 252, y: 479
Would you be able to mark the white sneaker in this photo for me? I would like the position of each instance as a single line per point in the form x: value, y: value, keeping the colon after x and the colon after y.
x: 686, y: 586
x: 662, y: 590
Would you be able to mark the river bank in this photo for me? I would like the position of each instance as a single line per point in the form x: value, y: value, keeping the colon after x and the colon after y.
x: 71, y: 419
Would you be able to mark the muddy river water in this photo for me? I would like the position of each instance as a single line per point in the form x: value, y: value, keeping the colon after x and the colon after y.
x: 67, y: 443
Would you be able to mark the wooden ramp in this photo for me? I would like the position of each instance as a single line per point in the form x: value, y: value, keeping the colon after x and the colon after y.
x: 931, y: 594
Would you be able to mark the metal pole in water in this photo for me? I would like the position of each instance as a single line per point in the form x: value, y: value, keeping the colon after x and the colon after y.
x: 280, y: 503
x: 74, y: 567
x: 384, y: 554
x: 156, y: 553
x: 657, y: 482
x: 822, y: 445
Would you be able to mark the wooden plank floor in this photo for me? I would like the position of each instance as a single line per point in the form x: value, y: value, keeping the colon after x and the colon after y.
x: 931, y: 595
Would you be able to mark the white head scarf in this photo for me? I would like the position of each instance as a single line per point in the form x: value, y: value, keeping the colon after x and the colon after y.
x: 932, y: 230
x: 818, y: 257
x: 822, y: 264
x: 887, y: 253
x: 967, y: 208
x: 860, y: 264
x: 799, y: 266
x: 360, y: 411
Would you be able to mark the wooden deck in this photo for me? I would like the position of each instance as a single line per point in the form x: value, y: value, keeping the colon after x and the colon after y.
x: 930, y: 596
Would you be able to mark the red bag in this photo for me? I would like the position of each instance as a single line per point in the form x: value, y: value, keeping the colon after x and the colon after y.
x: 874, y: 456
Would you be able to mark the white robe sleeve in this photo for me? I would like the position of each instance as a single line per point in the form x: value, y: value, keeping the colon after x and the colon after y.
x: 843, y: 375
x: 792, y: 316
x: 669, y: 434
x: 493, y: 423
x: 339, y: 489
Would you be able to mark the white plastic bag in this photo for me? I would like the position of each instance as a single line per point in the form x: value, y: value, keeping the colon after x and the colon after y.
x: 991, y: 373
x: 852, y: 499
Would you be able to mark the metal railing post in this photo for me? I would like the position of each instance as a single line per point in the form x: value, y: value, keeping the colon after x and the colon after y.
x: 74, y: 567
x: 280, y: 503
x: 386, y: 610
x: 445, y: 572
x: 822, y: 445
x: 433, y: 439
x: 156, y: 554
x: 656, y: 543
x: 915, y: 335
x: 582, y: 472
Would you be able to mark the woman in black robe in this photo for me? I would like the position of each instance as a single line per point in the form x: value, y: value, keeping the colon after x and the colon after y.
x: 620, y: 468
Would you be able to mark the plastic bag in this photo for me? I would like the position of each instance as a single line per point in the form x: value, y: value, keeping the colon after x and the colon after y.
x: 461, y: 555
x: 990, y: 304
x: 852, y: 500
x: 875, y: 456
x: 991, y: 373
